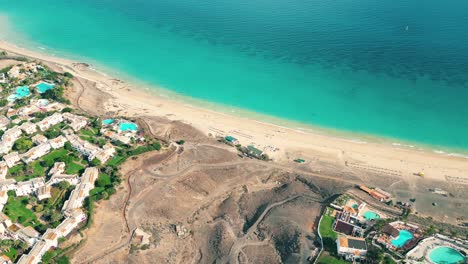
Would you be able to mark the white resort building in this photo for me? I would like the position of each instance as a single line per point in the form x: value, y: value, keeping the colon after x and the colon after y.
x: 11, y: 159
x: 50, y: 121
x: 352, y: 248
x: 58, y: 142
x: 39, y: 139
x: 28, y: 128
x: 36, y: 152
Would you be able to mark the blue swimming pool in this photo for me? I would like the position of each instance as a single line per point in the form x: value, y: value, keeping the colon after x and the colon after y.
x: 402, y: 238
x: 21, y: 91
x: 446, y: 255
x: 107, y: 121
x: 128, y: 127
x: 44, y: 86
x: 369, y: 215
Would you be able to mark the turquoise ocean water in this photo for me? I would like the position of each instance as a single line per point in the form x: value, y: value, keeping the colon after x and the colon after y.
x: 397, y: 69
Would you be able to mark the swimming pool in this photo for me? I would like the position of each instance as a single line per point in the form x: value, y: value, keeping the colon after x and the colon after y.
x: 21, y: 91
x: 128, y: 127
x: 369, y: 215
x: 446, y: 255
x: 43, y: 87
x: 107, y: 121
x: 402, y: 238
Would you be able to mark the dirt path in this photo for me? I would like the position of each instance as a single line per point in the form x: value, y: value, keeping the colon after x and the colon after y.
x: 247, y: 239
x: 198, y: 166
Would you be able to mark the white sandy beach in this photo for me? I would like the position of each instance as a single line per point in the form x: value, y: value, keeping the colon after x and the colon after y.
x: 290, y: 143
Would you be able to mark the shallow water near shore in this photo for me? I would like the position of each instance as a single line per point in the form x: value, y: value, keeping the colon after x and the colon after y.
x: 383, y: 68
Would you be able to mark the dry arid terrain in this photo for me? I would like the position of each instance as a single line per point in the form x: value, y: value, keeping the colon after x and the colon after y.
x: 232, y: 209
x: 202, y: 203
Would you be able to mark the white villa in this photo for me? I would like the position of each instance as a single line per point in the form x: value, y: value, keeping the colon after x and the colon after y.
x: 38, y: 139
x: 58, y: 142
x: 11, y: 159
x: 36, y: 152
x: 114, y: 136
x: 70, y: 178
x: 28, y: 234
x: 82, y: 146
x: 43, y: 192
x: 3, y: 170
x: 103, y: 155
x: 28, y: 187
x: 352, y: 248
x: 69, y: 224
x: 76, y: 122
x: 9, y: 138
x: 59, y: 167
x: 4, y: 121
x: 3, y: 198
x: 28, y: 128
x: 50, y: 121
x: 82, y: 190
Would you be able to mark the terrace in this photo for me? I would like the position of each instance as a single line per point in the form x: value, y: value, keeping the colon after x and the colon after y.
x: 400, y: 236
x: 439, y: 249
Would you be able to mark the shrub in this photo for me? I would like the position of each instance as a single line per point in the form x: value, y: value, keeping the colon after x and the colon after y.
x: 68, y: 75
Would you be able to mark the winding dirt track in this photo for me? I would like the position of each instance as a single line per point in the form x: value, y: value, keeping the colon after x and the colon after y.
x: 241, y: 242
x: 199, y: 166
x: 244, y: 241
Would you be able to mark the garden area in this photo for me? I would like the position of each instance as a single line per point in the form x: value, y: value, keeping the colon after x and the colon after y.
x: 17, y: 210
x: 329, y: 236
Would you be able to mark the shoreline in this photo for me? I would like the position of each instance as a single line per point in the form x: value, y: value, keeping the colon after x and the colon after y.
x: 35, y: 50
x: 233, y: 111
x: 292, y: 141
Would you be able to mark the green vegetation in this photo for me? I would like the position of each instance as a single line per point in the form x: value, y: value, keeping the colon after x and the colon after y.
x: 388, y: 260
x: 54, y: 156
x: 46, y: 213
x: 326, y: 227
x: 12, y: 253
x: 32, y: 170
x: 54, y: 131
x: 116, y: 161
x: 56, y: 94
x: 22, y: 145
x: 104, y: 180
x: 74, y: 168
x: 3, y: 102
x: 329, y: 238
x: 16, y: 209
x: 330, y: 260
x: 68, y: 75
x: 16, y: 170
x: 55, y: 256
x: 12, y: 248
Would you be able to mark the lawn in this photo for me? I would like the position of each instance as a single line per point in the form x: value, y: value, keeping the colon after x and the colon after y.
x: 96, y: 190
x: 54, y: 155
x: 74, y: 168
x: 56, y: 194
x: 12, y: 254
x: 326, y: 259
x: 16, y: 209
x: 33, y: 170
x: 16, y: 170
x: 326, y: 227
x: 115, y: 161
x: 88, y: 132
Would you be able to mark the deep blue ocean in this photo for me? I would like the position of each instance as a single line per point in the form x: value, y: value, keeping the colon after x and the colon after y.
x: 396, y: 69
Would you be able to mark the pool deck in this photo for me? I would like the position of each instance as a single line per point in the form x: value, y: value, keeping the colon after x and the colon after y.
x: 424, y: 247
